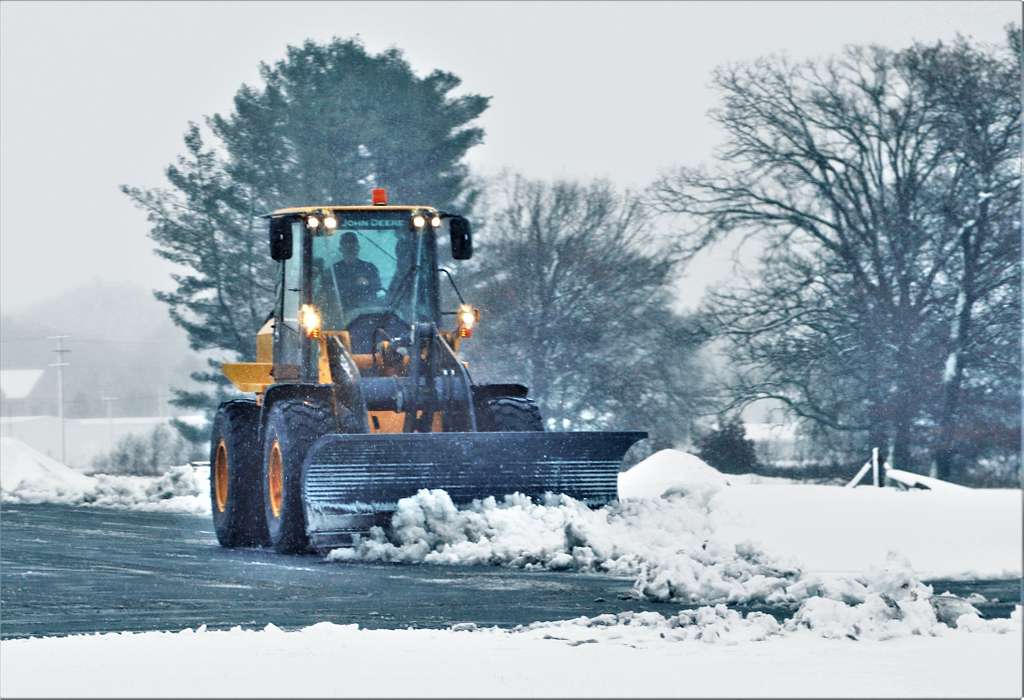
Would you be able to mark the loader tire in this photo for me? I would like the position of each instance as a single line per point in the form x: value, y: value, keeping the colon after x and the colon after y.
x: 509, y: 413
x: 236, y: 494
x: 291, y: 429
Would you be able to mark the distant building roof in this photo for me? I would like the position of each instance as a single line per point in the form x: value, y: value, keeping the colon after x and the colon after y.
x: 18, y: 383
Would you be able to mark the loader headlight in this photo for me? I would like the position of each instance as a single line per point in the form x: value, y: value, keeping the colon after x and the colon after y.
x: 435, y: 221
x: 468, y: 316
x: 309, y: 318
x: 418, y: 221
x: 330, y: 222
x: 312, y: 222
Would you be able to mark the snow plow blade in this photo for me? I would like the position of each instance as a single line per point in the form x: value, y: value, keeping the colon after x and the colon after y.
x: 352, y: 482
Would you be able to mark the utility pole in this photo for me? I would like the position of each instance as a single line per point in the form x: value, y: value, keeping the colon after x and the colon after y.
x: 60, y: 364
x: 109, y: 400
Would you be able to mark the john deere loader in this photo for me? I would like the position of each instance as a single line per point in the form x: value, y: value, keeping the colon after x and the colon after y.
x: 361, y: 397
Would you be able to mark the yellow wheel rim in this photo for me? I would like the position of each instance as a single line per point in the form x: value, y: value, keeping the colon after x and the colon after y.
x: 220, y: 476
x: 275, y: 479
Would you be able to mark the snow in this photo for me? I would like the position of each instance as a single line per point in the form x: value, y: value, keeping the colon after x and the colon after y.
x: 709, y: 652
x: 913, y: 480
x: 667, y: 471
x: 729, y: 537
x: 666, y: 545
x: 18, y: 383
x: 949, y: 533
x: 861, y: 623
x: 710, y: 539
x: 949, y: 371
x: 28, y: 476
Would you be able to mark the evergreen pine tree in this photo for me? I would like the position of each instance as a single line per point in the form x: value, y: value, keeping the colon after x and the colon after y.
x: 727, y: 448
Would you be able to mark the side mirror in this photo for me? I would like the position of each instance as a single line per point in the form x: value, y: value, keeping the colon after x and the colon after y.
x: 462, y: 238
x: 280, y: 238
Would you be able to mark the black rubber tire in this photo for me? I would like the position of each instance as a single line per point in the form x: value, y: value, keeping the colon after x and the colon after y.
x: 293, y: 425
x: 238, y: 512
x: 508, y: 413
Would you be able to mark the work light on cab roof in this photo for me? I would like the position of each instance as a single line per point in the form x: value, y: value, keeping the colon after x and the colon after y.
x: 362, y: 397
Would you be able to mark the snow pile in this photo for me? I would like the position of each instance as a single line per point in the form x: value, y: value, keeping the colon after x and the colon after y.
x: 708, y: 624
x: 880, y: 619
x: 891, y: 603
x: 666, y: 544
x: 685, y: 533
x: 28, y: 476
x: 177, y: 491
x: 669, y: 472
x: 895, y: 604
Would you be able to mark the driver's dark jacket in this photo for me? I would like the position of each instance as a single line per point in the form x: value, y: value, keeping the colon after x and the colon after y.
x: 358, y: 283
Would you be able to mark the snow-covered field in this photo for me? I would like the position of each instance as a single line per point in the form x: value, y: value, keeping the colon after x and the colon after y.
x: 848, y: 562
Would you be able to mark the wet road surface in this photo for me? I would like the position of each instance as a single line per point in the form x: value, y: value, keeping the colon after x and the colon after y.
x: 70, y: 570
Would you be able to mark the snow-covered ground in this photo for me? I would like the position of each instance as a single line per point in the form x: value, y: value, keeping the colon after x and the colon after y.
x: 643, y: 657
x: 848, y: 563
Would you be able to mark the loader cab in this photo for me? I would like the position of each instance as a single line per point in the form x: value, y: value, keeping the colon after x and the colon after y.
x: 370, y: 273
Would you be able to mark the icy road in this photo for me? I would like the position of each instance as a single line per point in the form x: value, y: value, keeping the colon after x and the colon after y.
x: 66, y: 570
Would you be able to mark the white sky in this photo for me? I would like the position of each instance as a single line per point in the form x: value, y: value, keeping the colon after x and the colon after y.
x: 93, y: 95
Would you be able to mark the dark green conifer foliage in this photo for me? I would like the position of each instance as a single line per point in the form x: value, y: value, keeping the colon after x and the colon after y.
x: 727, y: 448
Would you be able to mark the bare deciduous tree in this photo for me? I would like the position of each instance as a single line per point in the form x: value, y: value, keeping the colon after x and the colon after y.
x: 850, y: 171
x: 576, y: 300
x: 977, y: 116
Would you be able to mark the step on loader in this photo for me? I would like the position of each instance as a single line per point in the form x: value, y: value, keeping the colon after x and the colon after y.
x: 361, y: 398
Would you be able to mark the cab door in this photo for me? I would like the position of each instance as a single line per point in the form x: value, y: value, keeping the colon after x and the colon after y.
x: 287, y: 334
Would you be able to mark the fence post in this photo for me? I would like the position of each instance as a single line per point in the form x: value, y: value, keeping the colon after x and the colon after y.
x: 860, y: 475
x: 874, y: 466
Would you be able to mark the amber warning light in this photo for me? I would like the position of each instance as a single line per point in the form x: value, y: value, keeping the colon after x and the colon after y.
x: 380, y: 196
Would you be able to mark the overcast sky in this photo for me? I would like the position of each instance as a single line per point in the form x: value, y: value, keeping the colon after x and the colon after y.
x: 99, y: 94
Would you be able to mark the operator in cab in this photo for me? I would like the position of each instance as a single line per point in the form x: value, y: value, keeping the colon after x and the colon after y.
x: 358, y: 280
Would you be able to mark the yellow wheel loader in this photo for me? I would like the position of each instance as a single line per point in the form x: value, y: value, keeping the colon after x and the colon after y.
x: 360, y: 395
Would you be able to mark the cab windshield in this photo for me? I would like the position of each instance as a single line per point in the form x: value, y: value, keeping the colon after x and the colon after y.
x: 364, y: 267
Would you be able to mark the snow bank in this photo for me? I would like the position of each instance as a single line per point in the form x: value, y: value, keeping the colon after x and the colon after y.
x: 667, y: 472
x: 704, y: 653
x: 180, y: 490
x: 28, y: 476
x: 709, y: 540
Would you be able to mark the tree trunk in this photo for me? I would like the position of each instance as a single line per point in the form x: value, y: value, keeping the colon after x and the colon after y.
x: 944, y: 457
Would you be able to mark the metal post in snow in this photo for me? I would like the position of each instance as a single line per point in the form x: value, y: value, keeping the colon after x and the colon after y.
x: 874, y: 466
